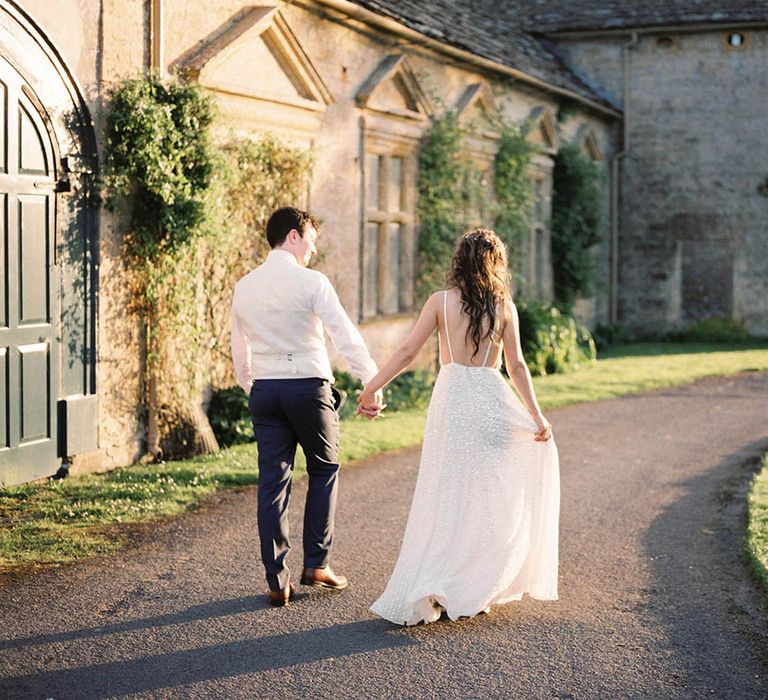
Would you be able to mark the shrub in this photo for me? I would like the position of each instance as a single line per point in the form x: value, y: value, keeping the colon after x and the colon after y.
x: 607, y: 335
x: 411, y: 389
x: 229, y: 416
x: 231, y: 421
x: 576, y: 224
x: 715, y: 330
x: 553, y: 342
x: 349, y: 387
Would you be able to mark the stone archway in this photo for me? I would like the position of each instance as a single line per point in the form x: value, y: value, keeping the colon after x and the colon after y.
x: 48, y: 229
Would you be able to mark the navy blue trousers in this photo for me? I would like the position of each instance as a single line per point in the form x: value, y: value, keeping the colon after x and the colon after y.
x: 287, y: 413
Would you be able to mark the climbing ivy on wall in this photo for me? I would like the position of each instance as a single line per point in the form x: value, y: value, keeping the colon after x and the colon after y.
x: 159, y: 159
x: 252, y: 179
x: 439, y: 201
x: 158, y: 152
x: 513, y: 193
x: 195, y: 213
x: 576, y: 224
x: 447, y: 182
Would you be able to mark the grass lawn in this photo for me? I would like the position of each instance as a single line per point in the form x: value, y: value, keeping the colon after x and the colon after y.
x: 757, y: 525
x: 646, y: 366
x: 65, y: 520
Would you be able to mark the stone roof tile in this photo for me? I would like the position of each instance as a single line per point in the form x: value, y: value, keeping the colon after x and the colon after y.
x: 582, y: 15
x: 507, y: 31
x: 481, y: 29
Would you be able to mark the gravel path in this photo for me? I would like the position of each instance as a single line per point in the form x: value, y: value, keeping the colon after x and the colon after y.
x: 655, y: 599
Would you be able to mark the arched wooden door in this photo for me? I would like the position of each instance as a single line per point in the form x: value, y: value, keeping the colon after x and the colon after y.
x: 29, y: 340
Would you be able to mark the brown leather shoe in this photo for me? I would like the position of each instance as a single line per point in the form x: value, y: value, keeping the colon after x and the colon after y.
x: 323, y: 578
x: 279, y: 599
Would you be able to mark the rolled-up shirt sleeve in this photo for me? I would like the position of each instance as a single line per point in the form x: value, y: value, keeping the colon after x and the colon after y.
x: 241, y: 358
x: 343, y: 333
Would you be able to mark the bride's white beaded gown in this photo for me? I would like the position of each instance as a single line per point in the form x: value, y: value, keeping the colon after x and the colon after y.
x: 483, y: 526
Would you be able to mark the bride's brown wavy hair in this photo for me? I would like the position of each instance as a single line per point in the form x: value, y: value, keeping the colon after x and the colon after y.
x: 479, y: 272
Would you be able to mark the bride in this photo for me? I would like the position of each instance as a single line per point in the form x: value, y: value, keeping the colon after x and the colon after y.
x: 483, y: 526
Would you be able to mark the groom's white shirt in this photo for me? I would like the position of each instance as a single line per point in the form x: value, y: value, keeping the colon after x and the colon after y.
x: 279, y: 311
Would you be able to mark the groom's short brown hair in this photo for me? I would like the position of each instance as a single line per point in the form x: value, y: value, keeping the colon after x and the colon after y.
x: 283, y: 221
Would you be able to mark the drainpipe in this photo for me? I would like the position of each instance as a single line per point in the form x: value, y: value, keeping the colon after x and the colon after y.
x: 154, y: 452
x: 156, y: 38
x: 615, y: 169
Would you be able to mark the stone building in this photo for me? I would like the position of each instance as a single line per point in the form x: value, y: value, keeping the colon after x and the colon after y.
x: 692, y: 82
x: 358, y: 82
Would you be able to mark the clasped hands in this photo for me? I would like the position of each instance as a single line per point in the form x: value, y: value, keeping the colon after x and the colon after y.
x: 370, y: 403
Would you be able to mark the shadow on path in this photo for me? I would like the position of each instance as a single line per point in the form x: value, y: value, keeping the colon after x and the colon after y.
x: 220, y: 608
x: 220, y: 661
x: 702, y: 593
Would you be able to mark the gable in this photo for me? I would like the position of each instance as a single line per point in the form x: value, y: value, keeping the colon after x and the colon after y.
x: 256, y: 55
x: 393, y: 89
x: 477, y: 99
x: 542, y: 130
x: 477, y: 104
x: 586, y: 140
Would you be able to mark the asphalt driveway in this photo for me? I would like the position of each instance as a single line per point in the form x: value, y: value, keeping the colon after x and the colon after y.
x: 655, y: 599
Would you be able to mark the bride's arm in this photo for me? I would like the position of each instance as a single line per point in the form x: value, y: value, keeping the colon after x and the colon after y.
x: 518, y: 370
x: 407, y: 351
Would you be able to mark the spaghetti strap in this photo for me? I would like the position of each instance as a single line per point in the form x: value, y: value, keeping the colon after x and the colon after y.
x: 488, y: 350
x: 490, y: 343
x: 445, y: 323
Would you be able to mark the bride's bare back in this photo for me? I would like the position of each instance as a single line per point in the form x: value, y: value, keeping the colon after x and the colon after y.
x: 457, y: 346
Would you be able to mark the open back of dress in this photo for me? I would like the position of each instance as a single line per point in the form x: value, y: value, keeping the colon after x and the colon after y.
x: 454, y: 346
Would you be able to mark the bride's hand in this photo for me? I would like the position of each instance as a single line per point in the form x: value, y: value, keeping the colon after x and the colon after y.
x: 543, y: 429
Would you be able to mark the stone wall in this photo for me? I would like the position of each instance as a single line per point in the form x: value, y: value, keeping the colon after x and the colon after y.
x: 693, y: 213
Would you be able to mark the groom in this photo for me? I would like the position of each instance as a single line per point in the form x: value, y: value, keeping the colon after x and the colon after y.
x: 279, y: 311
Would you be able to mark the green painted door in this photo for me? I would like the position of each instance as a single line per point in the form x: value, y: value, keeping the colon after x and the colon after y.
x: 29, y: 343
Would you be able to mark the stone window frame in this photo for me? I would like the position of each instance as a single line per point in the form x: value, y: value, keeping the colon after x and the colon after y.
x: 475, y: 216
x: 386, y: 148
x: 540, y: 233
x: 588, y: 143
x: 537, y: 270
x: 390, y: 131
